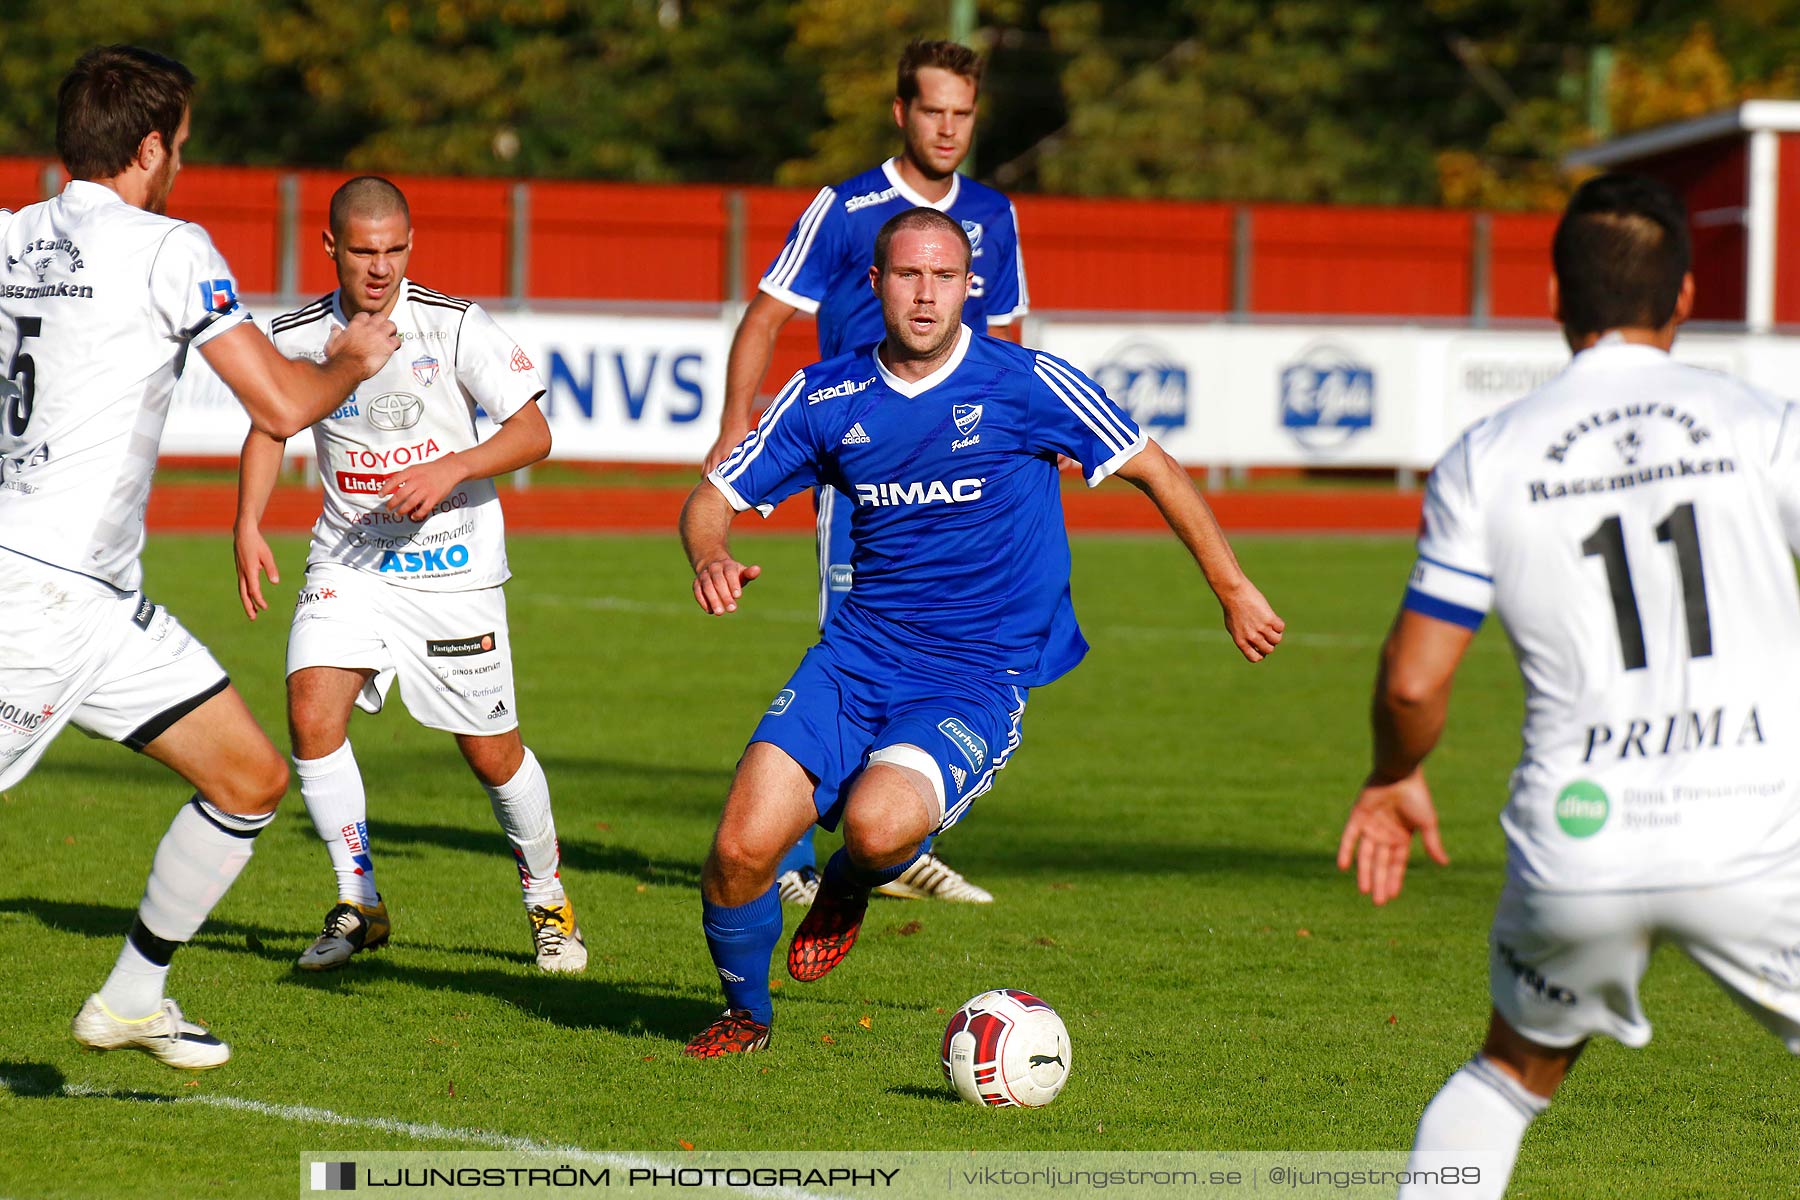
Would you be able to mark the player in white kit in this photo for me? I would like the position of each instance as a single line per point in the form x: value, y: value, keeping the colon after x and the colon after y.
x: 404, y: 575
x: 1634, y: 523
x: 101, y: 300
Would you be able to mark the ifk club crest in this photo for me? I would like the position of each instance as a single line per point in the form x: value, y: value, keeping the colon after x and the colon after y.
x: 967, y: 417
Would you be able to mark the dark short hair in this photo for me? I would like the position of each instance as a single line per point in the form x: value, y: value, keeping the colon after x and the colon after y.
x: 111, y: 100
x: 1619, y: 253
x: 948, y: 56
x: 919, y: 218
x: 366, y: 196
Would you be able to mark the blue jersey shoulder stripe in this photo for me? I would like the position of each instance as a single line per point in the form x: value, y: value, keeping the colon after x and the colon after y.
x: 1442, y: 610
x: 1457, y: 570
x: 1102, y: 429
x: 1096, y: 404
x: 793, y: 255
x: 752, y: 446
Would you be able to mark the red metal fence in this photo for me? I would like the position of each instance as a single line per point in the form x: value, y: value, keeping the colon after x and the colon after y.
x: 611, y: 242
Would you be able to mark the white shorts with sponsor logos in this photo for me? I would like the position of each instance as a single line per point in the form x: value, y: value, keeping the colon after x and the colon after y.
x: 450, y: 650
x: 1564, y: 966
x: 74, y: 651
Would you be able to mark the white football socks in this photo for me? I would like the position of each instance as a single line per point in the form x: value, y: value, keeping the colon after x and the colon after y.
x: 1482, y: 1111
x: 196, y: 862
x: 522, y: 806
x: 332, y: 788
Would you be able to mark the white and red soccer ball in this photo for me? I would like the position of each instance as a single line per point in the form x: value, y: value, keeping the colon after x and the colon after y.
x: 1006, y: 1048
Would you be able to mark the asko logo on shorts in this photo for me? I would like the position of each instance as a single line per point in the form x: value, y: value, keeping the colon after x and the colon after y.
x: 354, y: 484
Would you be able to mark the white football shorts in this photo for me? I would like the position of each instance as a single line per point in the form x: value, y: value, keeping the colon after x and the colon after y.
x: 450, y: 650
x: 74, y: 651
x: 1564, y: 966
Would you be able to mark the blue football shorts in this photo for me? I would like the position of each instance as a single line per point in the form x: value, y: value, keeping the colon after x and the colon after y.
x: 835, y: 713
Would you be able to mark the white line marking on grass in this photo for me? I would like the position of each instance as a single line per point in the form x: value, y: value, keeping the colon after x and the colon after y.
x: 307, y: 1115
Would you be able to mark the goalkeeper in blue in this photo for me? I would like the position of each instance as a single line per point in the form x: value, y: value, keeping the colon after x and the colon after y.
x: 946, y: 445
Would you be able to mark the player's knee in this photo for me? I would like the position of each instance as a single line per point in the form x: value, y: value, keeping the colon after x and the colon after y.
x: 874, y: 839
x: 254, y: 789
x: 738, y: 858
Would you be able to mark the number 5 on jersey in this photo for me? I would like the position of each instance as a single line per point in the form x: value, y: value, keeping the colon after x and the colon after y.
x: 20, y: 383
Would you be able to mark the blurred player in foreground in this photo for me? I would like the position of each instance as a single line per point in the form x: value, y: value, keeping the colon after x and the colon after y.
x: 404, y: 575
x: 946, y: 443
x: 101, y: 300
x: 824, y: 269
x: 1633, y: 522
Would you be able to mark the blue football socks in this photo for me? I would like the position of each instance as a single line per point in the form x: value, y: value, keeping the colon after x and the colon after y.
x: 842, y: 875
x: 742, y: 941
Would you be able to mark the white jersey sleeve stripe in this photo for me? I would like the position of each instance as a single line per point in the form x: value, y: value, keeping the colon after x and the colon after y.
x: 793, y: 257
x: 1107, y: 435
x: 751, y: 447
x: 1094, y: 402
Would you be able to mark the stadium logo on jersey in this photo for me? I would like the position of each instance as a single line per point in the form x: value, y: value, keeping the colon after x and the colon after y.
x: 855, y: 203
x: 519, y: 362
x: 883, y: 495
x: 396, y: 410
x: 1146, y: 381
x: 967, y: 417
x: 1327, y: 397
x: 218, y: 295
x: 973, y: 229
x: 972, y: 746
x: 425, y: 370
x: 479, y: 643
x: 23, y: 719
x: 847, y: 388
x: 416, y: 562
x: 780, y: 703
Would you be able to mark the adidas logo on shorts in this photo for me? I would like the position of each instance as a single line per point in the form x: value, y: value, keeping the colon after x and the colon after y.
x: 499, y: 711
x: 961, y: 776
x: 856, y: 436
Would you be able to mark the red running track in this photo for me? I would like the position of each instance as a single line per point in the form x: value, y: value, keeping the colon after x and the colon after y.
x: 209, y: 508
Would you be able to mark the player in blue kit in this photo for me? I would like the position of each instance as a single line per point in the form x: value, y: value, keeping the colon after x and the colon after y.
x: 944, y: 445
x: 823, y: 269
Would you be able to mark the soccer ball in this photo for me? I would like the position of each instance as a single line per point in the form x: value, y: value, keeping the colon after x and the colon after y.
x: 1006, y: 1048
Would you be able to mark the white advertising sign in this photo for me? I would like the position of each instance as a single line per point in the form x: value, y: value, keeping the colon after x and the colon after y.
x: 620, y: 389
x: 649, y: 389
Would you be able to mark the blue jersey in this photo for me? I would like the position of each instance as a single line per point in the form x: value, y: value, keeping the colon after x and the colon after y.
x: 824, y: 268
x: 959, y: 550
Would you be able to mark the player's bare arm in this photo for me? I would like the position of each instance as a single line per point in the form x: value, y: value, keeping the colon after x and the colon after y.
x: 522, y: 439
x: 1412, y: 696
x: 1253, y: 625
x: 259, y: 465
x: 283, y: 395
x: 719, y: 579
x: 752, y: 346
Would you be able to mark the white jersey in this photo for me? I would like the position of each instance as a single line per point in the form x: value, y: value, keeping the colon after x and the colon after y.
x: 1633, y: 522
x: 419, y: 406
x: 100, y: 303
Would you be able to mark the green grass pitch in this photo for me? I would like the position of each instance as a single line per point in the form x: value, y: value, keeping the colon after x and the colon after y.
x: 1160, y: 849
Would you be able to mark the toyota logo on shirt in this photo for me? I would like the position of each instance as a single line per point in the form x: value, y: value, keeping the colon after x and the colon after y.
x: 396, y: 410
